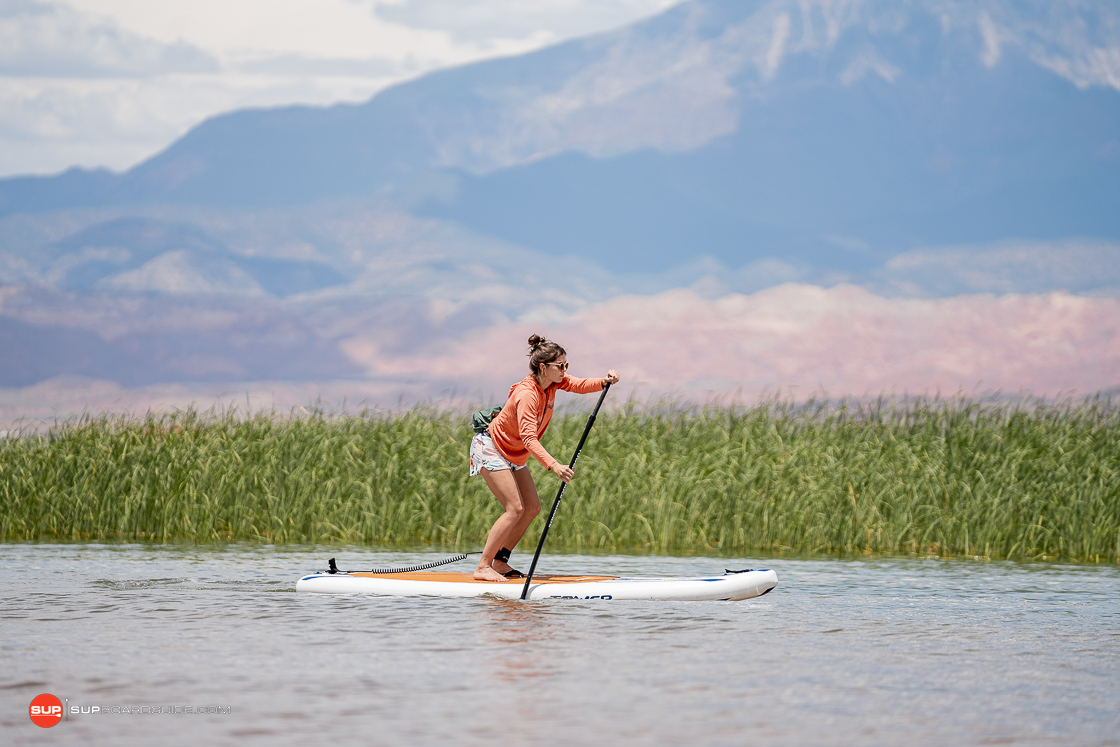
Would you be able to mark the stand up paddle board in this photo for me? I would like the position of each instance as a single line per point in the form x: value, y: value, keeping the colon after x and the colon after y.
x: 731, y: 586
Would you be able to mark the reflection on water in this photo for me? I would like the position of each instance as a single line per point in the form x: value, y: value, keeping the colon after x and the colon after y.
x: 515, y: 630
x: 842, y: 652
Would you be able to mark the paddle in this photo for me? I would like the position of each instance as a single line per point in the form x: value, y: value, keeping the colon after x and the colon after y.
x: 559, y: 495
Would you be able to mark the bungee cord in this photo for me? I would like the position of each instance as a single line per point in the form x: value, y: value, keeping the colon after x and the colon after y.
x: 332, y: 568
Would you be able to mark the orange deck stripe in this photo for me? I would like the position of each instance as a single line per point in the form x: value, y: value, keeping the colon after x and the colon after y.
x: 466, y: 578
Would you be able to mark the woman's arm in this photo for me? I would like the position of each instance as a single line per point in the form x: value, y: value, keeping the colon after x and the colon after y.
x: 526, y: 411
x: 587, y: 386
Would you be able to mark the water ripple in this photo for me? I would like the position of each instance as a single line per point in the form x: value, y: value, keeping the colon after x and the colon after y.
x: 842, y: 652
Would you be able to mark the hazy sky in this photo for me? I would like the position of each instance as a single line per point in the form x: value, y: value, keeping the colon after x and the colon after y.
x: 110, y: 82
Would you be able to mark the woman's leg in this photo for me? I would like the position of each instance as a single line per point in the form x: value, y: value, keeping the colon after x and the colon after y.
x: 504, y: 486
x: 531, y: 506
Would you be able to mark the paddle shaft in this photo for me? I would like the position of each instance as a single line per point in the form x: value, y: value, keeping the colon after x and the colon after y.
x: 560, y: 494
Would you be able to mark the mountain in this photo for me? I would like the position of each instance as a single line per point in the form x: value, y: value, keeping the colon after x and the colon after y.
x: 141, y: 296
x: 831, y: 136
x: 148, y: 256
x: 864, y: 161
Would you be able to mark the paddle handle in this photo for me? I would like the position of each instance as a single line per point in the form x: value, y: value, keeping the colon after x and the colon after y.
x: 560, y: 493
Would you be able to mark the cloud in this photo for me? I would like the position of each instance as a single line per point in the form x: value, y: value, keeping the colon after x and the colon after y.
x: 869, y: 61
x: 1076, y: 266
x: 49, y: 40
x: 49, y: 125
x: 300, y: 66
x: 777, y: 48
x: 515, y: 19
x: 991, y: 54
x: 238, y: 30
x: 1076, y: 40
x: 1088, y: 66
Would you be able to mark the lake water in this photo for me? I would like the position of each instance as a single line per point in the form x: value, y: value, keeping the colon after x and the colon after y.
x: 873, y: 652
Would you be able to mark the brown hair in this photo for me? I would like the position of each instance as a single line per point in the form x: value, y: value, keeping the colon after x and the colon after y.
x: 542, y: 351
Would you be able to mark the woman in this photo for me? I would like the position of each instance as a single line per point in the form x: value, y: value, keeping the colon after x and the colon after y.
x: 500, y: 454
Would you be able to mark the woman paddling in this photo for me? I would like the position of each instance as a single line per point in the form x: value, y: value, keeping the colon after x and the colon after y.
x: 501, y: 453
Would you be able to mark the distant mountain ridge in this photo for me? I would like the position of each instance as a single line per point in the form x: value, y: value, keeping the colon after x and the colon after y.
x: 143, y: 255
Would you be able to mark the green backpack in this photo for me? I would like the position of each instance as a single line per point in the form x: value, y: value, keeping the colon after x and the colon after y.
x: 481, y: 420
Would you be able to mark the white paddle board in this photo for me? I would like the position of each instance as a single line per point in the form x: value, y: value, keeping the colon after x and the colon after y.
x: 731, y: 586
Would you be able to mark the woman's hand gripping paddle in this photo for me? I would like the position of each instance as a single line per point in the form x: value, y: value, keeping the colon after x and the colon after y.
x: 559, y: 495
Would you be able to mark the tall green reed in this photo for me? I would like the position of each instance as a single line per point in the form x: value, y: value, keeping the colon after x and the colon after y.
x: 1021, y: 480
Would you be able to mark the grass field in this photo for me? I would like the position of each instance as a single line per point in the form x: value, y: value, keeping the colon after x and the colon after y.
x: 950, y: 478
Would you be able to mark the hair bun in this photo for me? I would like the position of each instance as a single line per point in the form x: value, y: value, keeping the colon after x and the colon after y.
x: 542, y: 351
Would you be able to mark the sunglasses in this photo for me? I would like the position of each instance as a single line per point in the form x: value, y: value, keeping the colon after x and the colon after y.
x: 561, y: 366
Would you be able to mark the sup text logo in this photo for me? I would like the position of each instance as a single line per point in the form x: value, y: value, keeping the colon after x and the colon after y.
x: 46, y: 710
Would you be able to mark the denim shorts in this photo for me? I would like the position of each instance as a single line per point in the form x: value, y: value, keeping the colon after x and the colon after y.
x: 485, y: 454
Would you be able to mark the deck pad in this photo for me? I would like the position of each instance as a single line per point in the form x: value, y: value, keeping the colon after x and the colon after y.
x: 467, y: 578
x: 725, y: 586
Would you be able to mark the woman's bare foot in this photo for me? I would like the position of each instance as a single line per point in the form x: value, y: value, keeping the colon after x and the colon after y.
x: 502, y: 567
x: 486, y: 573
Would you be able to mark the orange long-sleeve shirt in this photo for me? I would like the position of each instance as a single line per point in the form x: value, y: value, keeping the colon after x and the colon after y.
x: 526, y: 414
